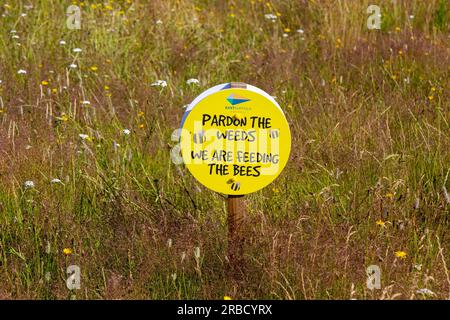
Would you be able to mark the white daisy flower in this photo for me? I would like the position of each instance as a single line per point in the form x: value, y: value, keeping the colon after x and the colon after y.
x: 158, y: 21
x: 425, y: 291
x: 21, y: 71
x: 28, y: 184
x: 301, y: 31
x: 62, y: 42
x: 270, y: 16
x: 126, y: 131
x: 86, y: 102
x: 83, y: 136
x: 192, y: 81
x: 76, y: 50
x: 15, y: 36
x: 73, y: 66
x: 159, y: 83
x: 55, y: 181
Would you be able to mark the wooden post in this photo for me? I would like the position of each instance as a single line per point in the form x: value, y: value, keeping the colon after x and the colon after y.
x: 236, y: 215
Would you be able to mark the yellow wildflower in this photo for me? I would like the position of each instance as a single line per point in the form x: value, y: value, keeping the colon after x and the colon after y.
x: 94, y: 68
x: 44, y: 83
x: 63, y: 118
x: 381, y: 223
x: 227, y: 298
x: 67, y: 251
x: 401, y: 254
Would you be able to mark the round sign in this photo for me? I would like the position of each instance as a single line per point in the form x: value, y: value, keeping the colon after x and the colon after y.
x: 235, y: 139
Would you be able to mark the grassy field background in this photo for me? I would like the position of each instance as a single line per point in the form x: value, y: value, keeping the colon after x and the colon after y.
x: 367, y: 182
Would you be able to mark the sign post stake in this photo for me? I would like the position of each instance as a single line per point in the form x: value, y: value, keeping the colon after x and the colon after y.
x: 235, y: 140
x: 236, y: 216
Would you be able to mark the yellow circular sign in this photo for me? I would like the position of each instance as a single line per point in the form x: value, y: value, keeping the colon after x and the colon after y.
x: 235, y: 140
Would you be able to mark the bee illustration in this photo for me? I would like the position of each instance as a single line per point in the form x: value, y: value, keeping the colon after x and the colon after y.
x: 199, y: 137
x: 274, y: 133
x: 235, y: 186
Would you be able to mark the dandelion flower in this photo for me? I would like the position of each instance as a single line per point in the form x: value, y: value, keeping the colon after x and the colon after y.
x: 67, y: 251
x: 401, y: 254
x: 63, y: 118
x: 227, y: 298
x: 28, y: 184
x: 287, y: 30
x: 381, y: 223
x: 44, y: 83
x: 93, y: 68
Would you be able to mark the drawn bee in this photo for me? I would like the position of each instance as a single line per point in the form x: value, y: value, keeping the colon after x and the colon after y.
x: 235, y: 186
x: 274, y: 133
x: 199, y: 137
x: 237, y: 116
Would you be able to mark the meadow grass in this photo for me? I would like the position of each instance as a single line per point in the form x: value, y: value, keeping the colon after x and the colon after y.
x: 367, y: 182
